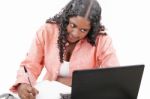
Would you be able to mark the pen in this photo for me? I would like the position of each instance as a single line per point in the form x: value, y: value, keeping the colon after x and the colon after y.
x: 27, y: 75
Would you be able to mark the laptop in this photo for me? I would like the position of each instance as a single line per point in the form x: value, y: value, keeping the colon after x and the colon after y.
x: 121, y: 82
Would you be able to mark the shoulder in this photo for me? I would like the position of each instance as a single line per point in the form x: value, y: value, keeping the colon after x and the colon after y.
x: 103, y: 38
x: 48, y: 27
x: 104, y: 42
x: 47, y: 30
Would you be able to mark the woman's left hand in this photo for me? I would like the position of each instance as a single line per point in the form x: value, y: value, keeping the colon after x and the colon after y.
x: 65, y: 80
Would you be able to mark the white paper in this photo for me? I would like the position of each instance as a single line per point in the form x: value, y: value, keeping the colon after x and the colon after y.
x: 51, y: 89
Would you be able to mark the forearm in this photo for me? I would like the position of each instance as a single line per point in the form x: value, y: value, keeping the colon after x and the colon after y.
x: 65, y: 80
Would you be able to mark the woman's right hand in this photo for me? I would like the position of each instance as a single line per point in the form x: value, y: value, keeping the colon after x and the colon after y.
x: 26, y: 91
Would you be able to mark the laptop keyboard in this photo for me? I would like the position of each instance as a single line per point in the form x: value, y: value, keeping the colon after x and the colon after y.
x: 65, y: 96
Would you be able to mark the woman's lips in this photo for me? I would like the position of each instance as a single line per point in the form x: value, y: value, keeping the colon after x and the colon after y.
x: 72, y: 39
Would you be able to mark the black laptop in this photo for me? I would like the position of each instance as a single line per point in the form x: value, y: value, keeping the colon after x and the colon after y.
x: 121, y: 82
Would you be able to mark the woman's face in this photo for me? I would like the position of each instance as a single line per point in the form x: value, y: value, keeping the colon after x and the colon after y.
x: 77, y: 28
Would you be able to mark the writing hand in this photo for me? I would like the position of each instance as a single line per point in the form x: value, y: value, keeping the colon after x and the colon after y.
x: 26, y: 91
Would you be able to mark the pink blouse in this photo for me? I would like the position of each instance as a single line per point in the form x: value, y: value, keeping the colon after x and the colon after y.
x: 44, y: 52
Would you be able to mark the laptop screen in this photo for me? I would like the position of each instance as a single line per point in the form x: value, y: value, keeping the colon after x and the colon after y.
x: 121, y: 82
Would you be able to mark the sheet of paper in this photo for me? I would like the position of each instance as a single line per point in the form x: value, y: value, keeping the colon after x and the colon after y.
x: 51, y: 89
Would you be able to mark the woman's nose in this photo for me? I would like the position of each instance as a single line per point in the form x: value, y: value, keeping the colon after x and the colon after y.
x: 75, y: 33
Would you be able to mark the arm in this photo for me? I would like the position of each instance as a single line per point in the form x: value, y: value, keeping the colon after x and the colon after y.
x: 65, y: 80
x: 33, y: 61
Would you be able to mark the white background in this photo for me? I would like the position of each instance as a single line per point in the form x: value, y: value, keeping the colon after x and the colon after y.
x: 126, y: 21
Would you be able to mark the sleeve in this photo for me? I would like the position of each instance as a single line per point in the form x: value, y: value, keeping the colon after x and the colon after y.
x: 33, y: 61
x: 106, y: 54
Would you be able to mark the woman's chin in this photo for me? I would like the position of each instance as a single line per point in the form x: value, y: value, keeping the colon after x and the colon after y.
x: 73, y: 41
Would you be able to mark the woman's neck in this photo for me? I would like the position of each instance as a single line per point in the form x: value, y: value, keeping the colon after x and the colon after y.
x: 68, y: 50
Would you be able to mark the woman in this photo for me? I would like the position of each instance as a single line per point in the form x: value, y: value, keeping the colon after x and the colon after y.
x: 73, y: 39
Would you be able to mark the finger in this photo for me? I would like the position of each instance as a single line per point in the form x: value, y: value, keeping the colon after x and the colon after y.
x: 23, y: 94
x: 33, y: 91
x: 26, y: 95
x: 31, y: 96
x: 36, y: 91
x: 24, y: 90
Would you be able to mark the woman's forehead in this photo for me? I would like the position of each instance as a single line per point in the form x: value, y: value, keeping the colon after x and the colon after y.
x: 79, y: 20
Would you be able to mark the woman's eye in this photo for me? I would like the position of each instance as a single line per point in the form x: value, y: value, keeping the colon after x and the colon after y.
x: 83, y: 30
x: 72, y: 25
